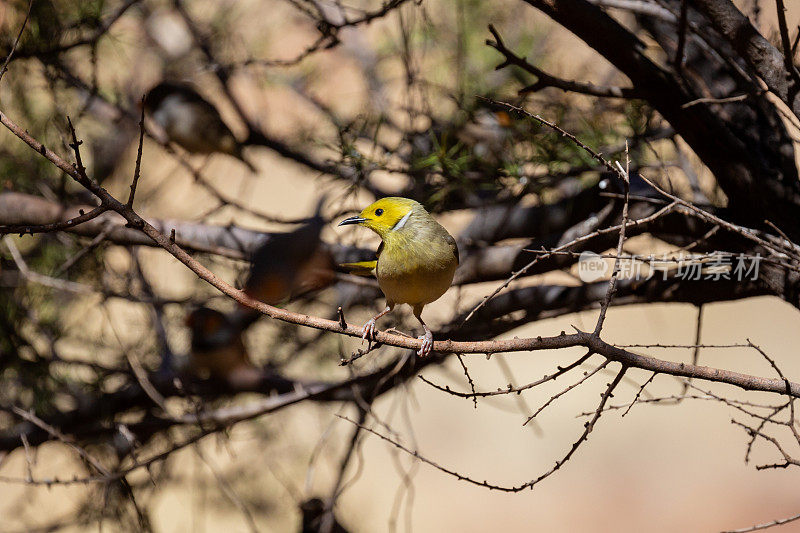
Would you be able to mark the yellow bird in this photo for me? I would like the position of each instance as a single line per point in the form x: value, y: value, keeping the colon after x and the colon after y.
x: 416, y: 260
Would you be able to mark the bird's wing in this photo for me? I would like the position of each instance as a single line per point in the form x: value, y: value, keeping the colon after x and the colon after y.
x: 364, y: 268
x: 453, y: 246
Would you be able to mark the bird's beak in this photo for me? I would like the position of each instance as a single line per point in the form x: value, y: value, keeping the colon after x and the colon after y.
x: 353, y: 220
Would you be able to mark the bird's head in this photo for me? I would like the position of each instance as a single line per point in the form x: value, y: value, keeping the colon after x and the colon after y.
x: 385, y: 215
x: 158, y: 94
x: 210, y: 329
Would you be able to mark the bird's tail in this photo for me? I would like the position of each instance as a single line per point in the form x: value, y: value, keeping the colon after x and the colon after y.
x: 361, y: 268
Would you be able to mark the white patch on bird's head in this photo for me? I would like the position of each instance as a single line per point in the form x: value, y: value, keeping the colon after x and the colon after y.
x: 402, y: 221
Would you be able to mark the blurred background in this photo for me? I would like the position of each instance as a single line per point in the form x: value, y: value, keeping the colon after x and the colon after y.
x: 277, y: 120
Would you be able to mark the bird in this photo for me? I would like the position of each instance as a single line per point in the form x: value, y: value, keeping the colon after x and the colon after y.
x: 217, y: 350
x: 191, y: 122
x: 288, y: 265
x: 417, y: 259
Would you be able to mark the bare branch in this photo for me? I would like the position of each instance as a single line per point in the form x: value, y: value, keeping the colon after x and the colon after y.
x: 763, y: 58
x: 4, y: 68
x: 546, y: 80
x: 767, y: 525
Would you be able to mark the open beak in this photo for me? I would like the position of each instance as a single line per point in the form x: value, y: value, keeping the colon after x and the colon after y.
x: 353, y: 220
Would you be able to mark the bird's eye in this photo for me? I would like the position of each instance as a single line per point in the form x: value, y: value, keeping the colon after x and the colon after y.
x: 378, y: 212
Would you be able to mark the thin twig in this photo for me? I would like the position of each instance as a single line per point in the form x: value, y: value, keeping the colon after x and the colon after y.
x: 612, y: 284
x: 559, y: 394
x: 787, y: 45
x: 138, y: 159
x: 759, y: 527
x: 682, y: 31
x: 639, y: 393
x: 4, y: 68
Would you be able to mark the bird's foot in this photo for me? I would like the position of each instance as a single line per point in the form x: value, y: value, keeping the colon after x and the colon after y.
x: 427, y: 344
x: 368, y: 331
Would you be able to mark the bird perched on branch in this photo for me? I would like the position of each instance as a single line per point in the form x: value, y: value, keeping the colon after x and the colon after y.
x: 289, y: 265
x: 218, y: 351
x: 416, y: 260
x: 191, y: 121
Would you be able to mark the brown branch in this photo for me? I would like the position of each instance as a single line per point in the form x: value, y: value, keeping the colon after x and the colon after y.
x: 727, y: 100
x: 138, y: 166
x: 67, y: 225
x: 788, y: 459
x: 4, y: 68
x: 640, y: 7
x: 547, y: 80
x: 55, y: 433
x: 639, y: 393
x: 752, y: 184
x: 608, y: 393
x: 683, y: 22
x: 24, y: 213
x: 776, y: 246
x: 510, y: 389
x: 599, y: 158
x: 788, y: 53
x: 612, y: 284
x: 328, y: 37
x: 469, y: 380
x: 517, y: 488
x: 591, y: 342
x: 90, y: 40
x: 767, y: 525
x: 755, y: 49
x: 556, y: 396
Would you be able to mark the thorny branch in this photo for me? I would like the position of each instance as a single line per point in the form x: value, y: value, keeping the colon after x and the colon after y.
x: 621, y: 218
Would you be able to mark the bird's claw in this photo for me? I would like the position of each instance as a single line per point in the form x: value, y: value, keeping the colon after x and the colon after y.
x: 368, y: 331
x: 427, y: 344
